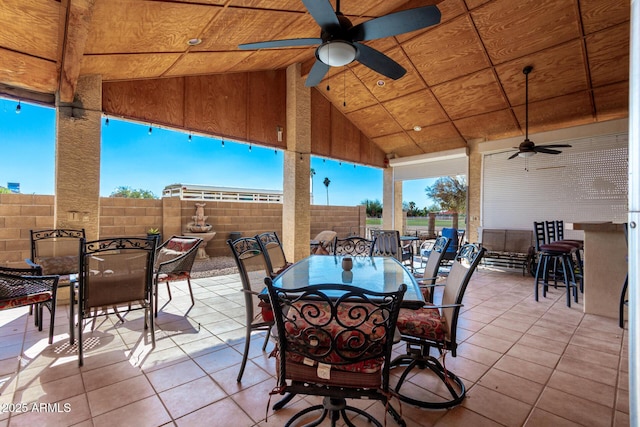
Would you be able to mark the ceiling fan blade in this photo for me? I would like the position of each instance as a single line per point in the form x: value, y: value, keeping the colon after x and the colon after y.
x: 514, y: 155
x: 322, y: 12
x: 556, y: 146
x: 395, y: 23
x: 280, y: 43
x: 317, y: 73
x: 538, y: 149
x: 379, y: 62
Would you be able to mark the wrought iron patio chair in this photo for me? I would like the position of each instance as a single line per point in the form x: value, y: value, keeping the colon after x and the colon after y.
x: 252, y: 268
x: 55, y: 252
x: 435, y: 326
x: 21, y: 287
x: 335, y: 341
x: 173, y: 262
x: 115, y: 274
x: 273, y: 252
x: 387, y: 243
x: 354, y: 246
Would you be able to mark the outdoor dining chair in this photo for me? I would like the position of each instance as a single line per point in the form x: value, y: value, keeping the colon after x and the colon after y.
x: 115, y: 274
x: 173, y: 262
x: 435, y: 326
x: 387, y: 243
x: 20, y: 287
x: 55, y: 251
x: 252, y: 268
x: 273, y: 252
x: 354, y: 246
x: 335, y: 341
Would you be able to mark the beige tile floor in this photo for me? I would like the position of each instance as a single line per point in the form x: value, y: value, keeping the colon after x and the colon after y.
x: 524, y: 363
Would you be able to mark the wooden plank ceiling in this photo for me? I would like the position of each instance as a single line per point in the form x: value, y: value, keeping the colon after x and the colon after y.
x: 464, y: 80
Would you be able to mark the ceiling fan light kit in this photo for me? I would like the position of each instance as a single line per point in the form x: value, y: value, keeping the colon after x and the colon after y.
x: 339, y: 41
x: 337, y: 53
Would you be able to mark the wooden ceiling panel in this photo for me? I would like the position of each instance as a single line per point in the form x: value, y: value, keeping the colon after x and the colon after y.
x: 410, y: 82
x: 206, y: 63
x: 433, y: 138
x: 512, y: 29
x: 471, y: 95
x: 600, y: 14
x: 27, y: 72
x: 345, y: 137
x: 612, y: 102
x: 216, y: 104
x: 345, y: 88
x: 271, y: 60
x: 558, y: 71
x: 608, y: 52
x: 254, y: 25
x: 296, y: 6
x: 495, y: 125
x: 397, y: 142
x: 126, y: 26
x: 545, y: 115
x: 133, y: 66
x: 417, y: 109
x: 158, y: 101
x: 448, y: 51
x: 374, y: 121
x: 31, y: 26
x: 320, y: 124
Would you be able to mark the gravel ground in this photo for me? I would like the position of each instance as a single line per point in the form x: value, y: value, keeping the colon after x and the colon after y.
x: 213, y: 266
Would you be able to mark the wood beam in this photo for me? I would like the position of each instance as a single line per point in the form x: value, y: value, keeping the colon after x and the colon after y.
x: 77, y: 29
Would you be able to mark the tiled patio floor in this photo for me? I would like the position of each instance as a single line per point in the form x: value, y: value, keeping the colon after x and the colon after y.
x: 524, y: 363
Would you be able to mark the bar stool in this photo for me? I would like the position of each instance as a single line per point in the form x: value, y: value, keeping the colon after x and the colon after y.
x: 550, y: 256
x: 555, y: 234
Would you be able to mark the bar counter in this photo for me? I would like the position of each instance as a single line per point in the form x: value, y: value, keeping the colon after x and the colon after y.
x: 605, y: 265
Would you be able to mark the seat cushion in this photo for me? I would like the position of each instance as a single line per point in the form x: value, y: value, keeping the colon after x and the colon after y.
x: 172, y: 277
x: 180, y: 245
x: 356, y: 378
x: 58, y: 264
x: 304, y: 337
x: 25, y: 300
x: 424, y: 323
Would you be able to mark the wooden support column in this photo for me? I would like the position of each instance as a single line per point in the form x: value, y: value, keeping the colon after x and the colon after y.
x: 474, y: 190
x: 77, y: 188
x: 296, y: 217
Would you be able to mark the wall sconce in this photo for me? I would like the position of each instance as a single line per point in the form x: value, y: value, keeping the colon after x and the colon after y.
x: 279, y: 132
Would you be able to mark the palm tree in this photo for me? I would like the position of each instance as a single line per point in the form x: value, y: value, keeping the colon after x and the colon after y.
x: 326, y: 183
x: 312, y: 172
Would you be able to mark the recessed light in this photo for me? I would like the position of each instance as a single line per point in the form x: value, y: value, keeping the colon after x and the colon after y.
x: 417, y: 128
x: 380, y: 83
x: 194, y: 42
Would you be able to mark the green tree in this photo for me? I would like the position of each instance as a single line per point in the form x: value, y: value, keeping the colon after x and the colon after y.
x: 130, y: 193
x: 373, y: 208
x: 326, y: 183
x: 450, y: 192
x: 4, y: 190
x: 312, y: 172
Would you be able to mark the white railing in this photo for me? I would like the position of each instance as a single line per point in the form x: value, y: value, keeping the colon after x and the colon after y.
x: 222, y: 194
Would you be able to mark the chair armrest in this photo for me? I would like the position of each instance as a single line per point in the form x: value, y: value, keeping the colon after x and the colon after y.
x: 32, y: 266
x: 444, y: 306
x: 432, y: 285
x: 422, y: 279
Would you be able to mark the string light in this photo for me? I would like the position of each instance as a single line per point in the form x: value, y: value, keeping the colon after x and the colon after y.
x: 223, y: 143
x: 150, y: 130
x: 275, y: 152
x: 106, y: 121
x: 18, y: 108
x: 189, y: 136
x: 249, y: 147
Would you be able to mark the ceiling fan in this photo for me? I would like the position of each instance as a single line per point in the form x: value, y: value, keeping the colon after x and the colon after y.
x: 527, y: 148
x: 339, y: 41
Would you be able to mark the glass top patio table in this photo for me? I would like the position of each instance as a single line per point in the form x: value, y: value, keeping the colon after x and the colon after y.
x: 380, y: 274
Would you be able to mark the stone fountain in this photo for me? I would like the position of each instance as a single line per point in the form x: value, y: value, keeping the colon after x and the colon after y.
x: 199, y: 228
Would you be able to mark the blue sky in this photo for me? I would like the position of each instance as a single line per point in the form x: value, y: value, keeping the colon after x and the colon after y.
x: 131, y: 157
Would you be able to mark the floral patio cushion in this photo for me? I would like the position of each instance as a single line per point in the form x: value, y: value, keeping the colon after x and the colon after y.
x: 58, y: 264
x: 180, y: 245
x: 422, y: 323
x: 312, y: 334
x: 25, y: 300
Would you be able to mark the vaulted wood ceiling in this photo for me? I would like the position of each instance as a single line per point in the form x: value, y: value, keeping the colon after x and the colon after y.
x: 464, y: 78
